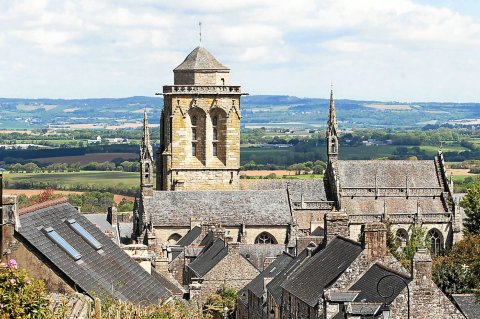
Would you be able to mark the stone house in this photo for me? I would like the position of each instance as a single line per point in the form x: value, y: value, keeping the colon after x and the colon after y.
x: 220, y: 264
x: 252, y: 298
x: 57, y: 244
x: 339, y: 280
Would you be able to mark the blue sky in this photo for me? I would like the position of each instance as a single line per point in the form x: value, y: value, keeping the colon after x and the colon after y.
x: 402, y: 50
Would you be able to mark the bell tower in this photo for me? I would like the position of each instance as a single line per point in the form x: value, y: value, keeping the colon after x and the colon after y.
x: 146, y: 160
x: 200, y: 127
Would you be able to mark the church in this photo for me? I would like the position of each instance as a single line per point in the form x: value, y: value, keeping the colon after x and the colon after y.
x: 197, y: 178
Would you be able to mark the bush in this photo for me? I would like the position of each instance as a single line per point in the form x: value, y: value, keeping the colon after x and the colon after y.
x: 22, y: 296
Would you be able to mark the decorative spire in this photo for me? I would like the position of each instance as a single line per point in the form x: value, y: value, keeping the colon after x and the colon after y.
x: 146, y: 147
x: 332, y: 119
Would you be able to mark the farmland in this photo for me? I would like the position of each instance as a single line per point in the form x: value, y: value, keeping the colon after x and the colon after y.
x: 124, y: 183
x: 87, y: 158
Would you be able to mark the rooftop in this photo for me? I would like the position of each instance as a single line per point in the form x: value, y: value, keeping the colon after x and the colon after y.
x: 264, y: 207
x: 97, y: 268
x: 200, y: 59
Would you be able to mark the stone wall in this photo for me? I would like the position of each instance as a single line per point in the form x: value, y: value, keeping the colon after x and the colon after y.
x: 233, y: 270
x: 39, y: 268
x: 294, y: 308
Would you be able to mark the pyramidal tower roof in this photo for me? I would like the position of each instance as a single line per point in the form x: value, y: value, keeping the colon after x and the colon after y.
x: 200, y: 59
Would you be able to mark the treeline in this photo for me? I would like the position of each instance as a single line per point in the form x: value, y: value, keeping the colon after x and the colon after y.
x: 15, y: 155
x: 115, y: 165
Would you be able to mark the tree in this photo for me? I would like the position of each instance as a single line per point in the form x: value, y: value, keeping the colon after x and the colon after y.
x: 471, y: 204
x: 459, y: 271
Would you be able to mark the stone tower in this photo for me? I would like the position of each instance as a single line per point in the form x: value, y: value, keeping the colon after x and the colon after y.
x: 146, y: 160
x: 331, y: 173
x: 200, y: 127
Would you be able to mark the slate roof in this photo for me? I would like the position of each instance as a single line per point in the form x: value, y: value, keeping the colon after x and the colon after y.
x: 268, y: 207
x: 190, y: 236
x: 208, y: 258
x: 392, y: 205
x: 322, y: 269
x: 257, y: 254
x: 274, y: 286
x: 256, y: 286
x: 367, y: 284
x: 200, y: 59
x: 97, y: 272
x: 389, y: 173
x: 468, y: 305
x: 311, y: 189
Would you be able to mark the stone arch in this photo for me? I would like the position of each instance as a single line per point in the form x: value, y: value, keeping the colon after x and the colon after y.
x: 197, y: 121
x: 218, y: 120
x: 265, y: 238
x: 174, y: 238
x: 435, y: 240
x: 401, y: 237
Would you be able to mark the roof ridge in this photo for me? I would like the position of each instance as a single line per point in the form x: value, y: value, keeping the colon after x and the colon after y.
x: 53, y: 202
x: 389, y: 269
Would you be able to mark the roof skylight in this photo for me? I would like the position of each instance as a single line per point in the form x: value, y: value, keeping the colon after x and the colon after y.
x: 57, y: 239
x: 84, y: 234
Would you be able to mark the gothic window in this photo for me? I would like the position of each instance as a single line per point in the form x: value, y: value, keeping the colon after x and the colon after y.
x: 215, y: 135
x: 147, y: 169
x: 401, y: 237
x: 172, y: 240
x: 333, y: 145
x: 435, y: 238
x: 265, y: 238
x: 194, y: 136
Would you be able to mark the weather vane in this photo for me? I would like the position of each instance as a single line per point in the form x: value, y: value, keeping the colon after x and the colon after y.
x: 200, y: 33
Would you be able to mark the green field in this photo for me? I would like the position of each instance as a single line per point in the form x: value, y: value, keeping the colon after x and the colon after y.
x: 73, y: 181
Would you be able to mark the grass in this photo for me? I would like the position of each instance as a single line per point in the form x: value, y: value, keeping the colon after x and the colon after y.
x: 304, y: 176
x: 92, y: 178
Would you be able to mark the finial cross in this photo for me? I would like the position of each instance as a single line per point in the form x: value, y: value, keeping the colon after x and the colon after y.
x: 200, y: 31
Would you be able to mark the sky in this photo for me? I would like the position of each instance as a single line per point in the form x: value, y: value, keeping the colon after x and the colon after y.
x: 386, y: 50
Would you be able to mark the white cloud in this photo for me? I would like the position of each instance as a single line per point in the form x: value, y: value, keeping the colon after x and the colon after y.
x: 372, y: 49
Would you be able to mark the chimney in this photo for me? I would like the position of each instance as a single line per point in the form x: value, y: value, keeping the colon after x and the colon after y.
x: 218, y: 232
x: 335, y: 223
x: 112, y: 216
x: 422, y: 268
x: 375, y: 240
x: 234, y: 248
x: 194, y: 222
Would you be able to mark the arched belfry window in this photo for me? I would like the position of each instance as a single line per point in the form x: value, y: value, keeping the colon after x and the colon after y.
x: 218, y: 120
x: 215, y: 135
x: 265, y: 238
x: 436, y: 241
x: 333, y: 145
x: 194, y: 136
x: 147, y: 169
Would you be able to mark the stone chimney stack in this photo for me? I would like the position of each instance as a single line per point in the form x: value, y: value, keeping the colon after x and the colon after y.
x: 218, y: 232
x: 336, y: 223
x: 422, y: 268
x: 375, y: 240
x: 112, y: 217
x: 234, y: 248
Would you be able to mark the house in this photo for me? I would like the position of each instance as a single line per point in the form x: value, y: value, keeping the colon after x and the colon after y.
x: 56, y: 243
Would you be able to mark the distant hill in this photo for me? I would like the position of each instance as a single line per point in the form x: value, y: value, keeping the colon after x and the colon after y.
x: 257, y: 110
